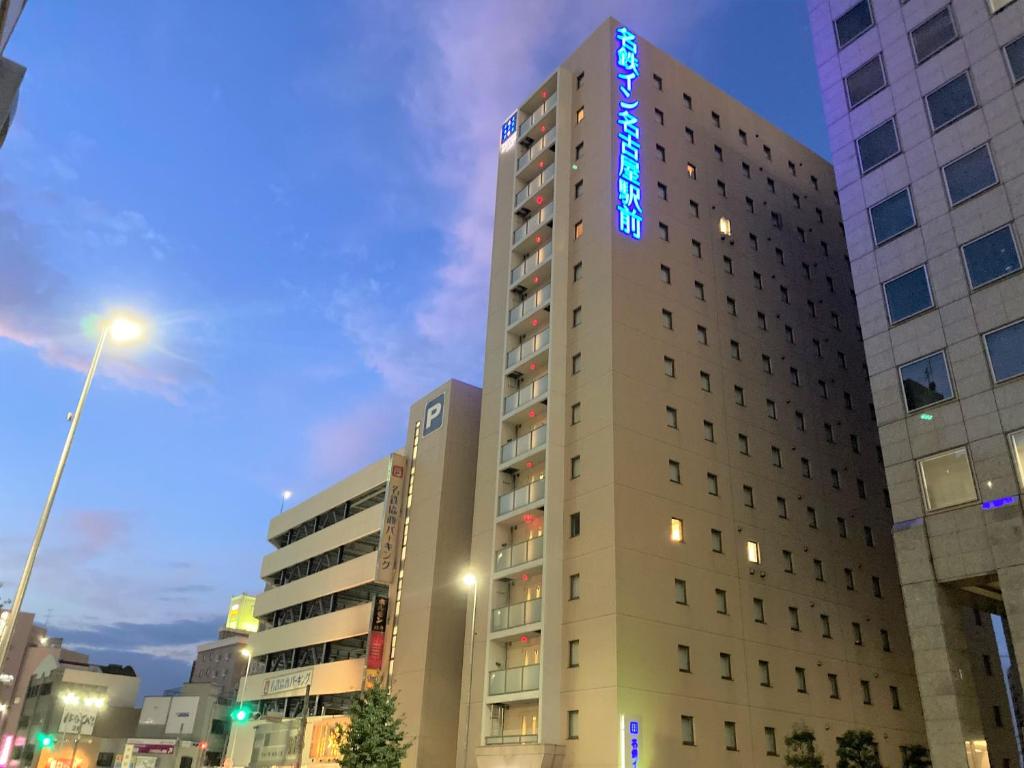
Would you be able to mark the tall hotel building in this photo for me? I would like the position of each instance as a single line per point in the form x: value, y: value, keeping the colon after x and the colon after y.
x: 680, y: 523
x: 924, y: 101
x: 362, y: 586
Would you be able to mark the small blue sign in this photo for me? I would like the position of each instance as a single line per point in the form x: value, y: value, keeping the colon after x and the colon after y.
x: 508, y: 130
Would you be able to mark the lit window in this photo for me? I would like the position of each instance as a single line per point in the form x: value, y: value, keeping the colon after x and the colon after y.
x: 926, y: 381
x: 691, y: 170
x: 998, y: 5
x: 1017, y: 448
x: 991, y: 256
x: 950, y: 101
x: 579, y: 115
x: 892, y: 216
x: 578, y: 230
x: 969, y: 175
x: 725, y: 227
x: 1006, y: 351
x: 947, y: 479
x: 753, y: 552
x: 676, y: 530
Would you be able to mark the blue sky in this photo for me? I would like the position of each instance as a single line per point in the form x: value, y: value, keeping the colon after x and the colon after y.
x: 298, y: 195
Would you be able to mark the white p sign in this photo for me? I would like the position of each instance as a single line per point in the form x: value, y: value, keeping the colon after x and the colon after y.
x: 433, y: 416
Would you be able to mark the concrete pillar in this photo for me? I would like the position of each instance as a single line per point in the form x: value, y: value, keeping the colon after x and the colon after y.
x: 1011, y: 584
x: 948, y: 695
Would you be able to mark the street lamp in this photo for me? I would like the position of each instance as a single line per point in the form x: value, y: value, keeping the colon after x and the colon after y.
x: 469, y: 581
x: 122, y: 330
x: 240, y: 713
x: 285, y: 495
x: 91, y: 706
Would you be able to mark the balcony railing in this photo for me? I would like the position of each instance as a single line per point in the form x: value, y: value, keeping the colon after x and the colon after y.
x: 512, y: 738
x: 533, y: 439
x: 526, y: 394
x: 514, y: 680
x: 532, y: 224
x: 538, y: 113
x: 530, y: 347
x: 523, y: 552
x: 530, y: 263
x: 534, y: 186
x: 520, y: 497
x: 530, y: 155
x: 516, y: 615
x: 533, y: 302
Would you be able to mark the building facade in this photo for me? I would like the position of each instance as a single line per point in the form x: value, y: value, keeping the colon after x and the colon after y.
x: 924, y: 105
x: 186, y: 730
x: 362, y: 588
x: 222, y: 662
x: 680, y: 520
x: 11, y: 73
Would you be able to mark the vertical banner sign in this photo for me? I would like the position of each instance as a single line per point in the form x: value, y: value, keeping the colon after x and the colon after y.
x: 378, y: 626
x: 629, y: 742
x: 630, y: 210
x: 391, y: 528
x: 508, y: 132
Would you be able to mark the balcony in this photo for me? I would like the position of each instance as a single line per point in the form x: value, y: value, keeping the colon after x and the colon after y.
x: 511, y: 738
x: 527, y: 193
x: 514, y: 680
x: 532, y: 224
x: 531, y: 441
x: 519, y: 554
x: 528, y: 348
x: 536, y: 259
x: 526, y: 394
x: 530, y: 304
x: 521, y: 498
x: 516, y: 615
x: 538, y: 114
x: 534, y: 152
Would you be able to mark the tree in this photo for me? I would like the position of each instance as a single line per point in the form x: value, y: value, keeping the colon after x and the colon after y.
x: 375, y: 737
x: 800, y: 749
x: 857, y: 749
x: 916, y: 756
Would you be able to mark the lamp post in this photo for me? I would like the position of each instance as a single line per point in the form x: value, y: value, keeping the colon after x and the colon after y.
x: 247, y: 652
x: 120, y: 330
x: 469, y: 581
x: 285, y: 495
x: 94, y: 703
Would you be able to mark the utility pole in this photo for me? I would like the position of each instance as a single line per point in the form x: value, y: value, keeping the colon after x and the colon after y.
x: 302, y: 728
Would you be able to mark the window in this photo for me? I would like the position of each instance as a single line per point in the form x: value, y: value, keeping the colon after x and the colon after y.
x: 841, y: 526
x: 997, y: 716
x: 721, y: 601
x: 805, y: 467
x: 657, y: 81
x: 579, y: 151
x: 950, y: 102
x: 724, y: 227
x: 578, y: 189
x: 833, y: 686
x: 578, y: 230
x: 758, y: 610
x: 858, y: 637
x: 727, y: 265
x: 925, y: 381
x: 762, y: 320
x: 580, y: 114
x: 744, y: 444
x: 574, y: 525
x: 794, y: 377
x: 743, y: 136
x: 801, y: 679
x: 794, y: 618
x: 694, y: 209
x: 933, y: 35
x: 670, y: 367
x: 721, y: 188
x: 738, y: 396
x: 577, y: 316
x: 705, y: 381
x: 579, y: 80
x: 745, y: 167
x: 659, y: 116
x: 947, y: 479
x: 671, y: 417
x: 861, y: 489
x: 574, y: 414
x: 753, y: 550
x: 767, y: 152
x: 666, y: 275
x: 709, y: 431
x: 734, y: 349
x: 662, y: 191
x: 894, y: 696
x: 689, y: 135
x: 687, y: 101
x: 876, y: 586
x: 826, y: 626
x: 796, y: 201
x: 1017, y: 449
x: 577, y: 363
x: 716, y: 119
x: 878, y: 145
x: 865, y: 689
x: 687, y: 729
x: 991, y: 256
x: 749, y: 201
x: 776, y: 220
x: 1006, y: 351
x: 812, y: 514
x: 574, y: 653
x: 998, y: 5
x: 673, y: 472
x: 885, y: 641
x: 698, y: 290
x: 771, y: 185
x: 676, y: 530
x: 764, y: 670
x: 666, y: 319
x: 680, y: 592
x: 908, y: 295
x: 850, y: 584
x: 787, y: 559
x: 969, y: 175
x: 770, y: 404
x: 819, y: 570
x: 660, y: 152
x: 782, y: 507
x: 776, y: 457
x: 683, y: 653
x: 865, y: 81
x: 718, y: 153
x: 716, y: 541
x: 574, y: 586
x: 574, y: 467
x: 725, y: 666
x: 853, y: 23
x: 892, y: 216
x: 577, y: 271
x: 1015, y: 58
x: 695, y: 249
x: 835, y: 477
x: 766, y: 363
x: 573, y: 724
x: 784, y: 292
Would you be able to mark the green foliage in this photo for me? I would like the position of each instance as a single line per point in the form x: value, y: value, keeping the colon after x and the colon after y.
x: 917, y: 757
x: 801, y: 751
x: 375, y: 737
x: 857, y: 749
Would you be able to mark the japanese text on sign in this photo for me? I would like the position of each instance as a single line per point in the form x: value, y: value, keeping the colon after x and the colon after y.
x: 630, y: 210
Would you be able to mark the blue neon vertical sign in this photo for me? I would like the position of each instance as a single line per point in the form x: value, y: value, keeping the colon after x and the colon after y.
x: 630, y: 210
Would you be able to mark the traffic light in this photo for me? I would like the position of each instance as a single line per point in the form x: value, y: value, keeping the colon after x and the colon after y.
x: 46, y: 740
x: 241, y: 713
x: 202, y: 745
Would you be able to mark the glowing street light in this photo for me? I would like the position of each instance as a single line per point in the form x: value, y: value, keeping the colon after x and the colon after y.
x: 121, y: 329
x: 72, y: 700
x: 469, y: 581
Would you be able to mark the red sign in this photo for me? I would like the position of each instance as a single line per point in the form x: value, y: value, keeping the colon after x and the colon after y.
x: 375, y: 656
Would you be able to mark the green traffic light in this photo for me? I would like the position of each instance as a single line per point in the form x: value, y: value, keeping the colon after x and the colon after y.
x: 240, y: 714
x: 45, y: 740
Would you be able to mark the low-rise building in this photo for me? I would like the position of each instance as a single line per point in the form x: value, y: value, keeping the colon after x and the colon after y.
x: 180, y: 731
